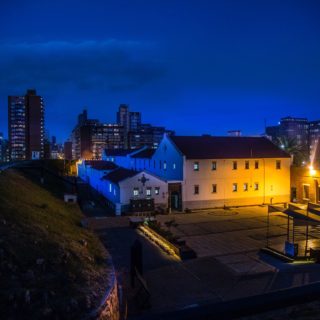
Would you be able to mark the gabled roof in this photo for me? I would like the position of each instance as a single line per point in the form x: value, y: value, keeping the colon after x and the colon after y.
x: 101, y: 164
x: 209, y: 147
x: 146, y: 153
x: 119, y: 175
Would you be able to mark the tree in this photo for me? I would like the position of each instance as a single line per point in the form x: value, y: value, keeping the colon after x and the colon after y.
x: 297, y: 151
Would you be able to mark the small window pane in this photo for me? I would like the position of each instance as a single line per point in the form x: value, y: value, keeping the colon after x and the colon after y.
x: 234, y: 165
x: 214, y: 188
x: 196, y: 166
x: 135, y: 191
x: 214, y: 165
x: 196, y: 189
x: 235, y: 187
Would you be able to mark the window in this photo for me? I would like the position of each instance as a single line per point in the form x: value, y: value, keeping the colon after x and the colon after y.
x: 110, y: 187
x: 135, y: 192
x: 196, y: 189
x: 306, y: 193
x: 214, y: 165
x: 174, y: 166
x: 246, y: 165
x: 196, y: 166
x: 245, y: 187
x: 214, y: 188
x: 160, y: 164
x: 148, y: 191
x: 278, y: 164
x: 256, y: 164
x: 157, y: 190
x: 234, y: 165
x: 164, y: 165
x: 256, y: 186
x: 235, y: 187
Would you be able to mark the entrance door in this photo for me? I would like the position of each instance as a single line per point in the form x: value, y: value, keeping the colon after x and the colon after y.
x: 175, y: 199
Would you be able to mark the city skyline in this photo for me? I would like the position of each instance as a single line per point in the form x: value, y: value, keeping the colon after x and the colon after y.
x: 217, y: 66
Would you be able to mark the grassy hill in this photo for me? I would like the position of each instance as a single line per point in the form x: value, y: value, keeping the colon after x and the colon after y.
x: 50, y: 267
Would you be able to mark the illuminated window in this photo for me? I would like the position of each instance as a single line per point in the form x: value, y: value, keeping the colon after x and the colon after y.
x: 246, y: 165
x: 214, y: 165
x: 256, y: 164
x: 214, y: 188
x: 135, y: 192
x: 196, y: 189
x: 245, y: 187
x: 196, y: 166
x: 256, y: 186
x: 174, y: 166
x: 156, y: 190
x: 234, y: 165
x: 164, y: 165
x: 278, y: 164
x: 148, y: 191
x: 234, y: 187
x: 110, y: 187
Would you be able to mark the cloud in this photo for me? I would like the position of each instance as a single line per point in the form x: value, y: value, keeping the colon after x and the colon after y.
x: 109, y: 65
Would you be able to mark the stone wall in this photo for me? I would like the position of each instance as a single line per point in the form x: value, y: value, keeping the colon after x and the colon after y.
x: 111, y: 308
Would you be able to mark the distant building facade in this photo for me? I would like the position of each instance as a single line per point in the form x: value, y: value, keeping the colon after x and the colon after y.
x: 90, y: 137
x: 305, y: 133
x: 26, y: 126
x: 4, y: 149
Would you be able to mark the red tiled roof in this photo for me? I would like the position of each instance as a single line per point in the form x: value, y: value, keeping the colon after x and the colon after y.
x: 119, y: 175
x: 209, y: 147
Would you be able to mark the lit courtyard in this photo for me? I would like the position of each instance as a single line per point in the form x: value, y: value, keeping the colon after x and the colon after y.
x: 229, y: 264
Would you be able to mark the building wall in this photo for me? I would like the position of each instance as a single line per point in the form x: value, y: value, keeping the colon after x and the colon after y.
x: 273, y: 184
x: 94, y: 178
x: 127, y: 186
x: 35, y: 125
x: 17, y: 132
x: 300, y: 177
x: 167, y: 161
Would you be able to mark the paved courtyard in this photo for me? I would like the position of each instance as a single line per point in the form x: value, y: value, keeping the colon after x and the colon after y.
x: 229, y: 264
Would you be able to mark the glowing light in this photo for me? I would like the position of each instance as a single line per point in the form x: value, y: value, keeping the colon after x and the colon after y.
x: 312, y: 171
x: 157, y: 239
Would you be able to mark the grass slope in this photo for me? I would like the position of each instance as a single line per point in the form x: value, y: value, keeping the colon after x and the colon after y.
x: 50, y: 267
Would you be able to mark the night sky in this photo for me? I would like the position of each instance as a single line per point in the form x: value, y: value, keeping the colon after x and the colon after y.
x: 193, y: 66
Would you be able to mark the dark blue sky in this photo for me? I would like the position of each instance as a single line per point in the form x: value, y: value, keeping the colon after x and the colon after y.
x: 194, y: 66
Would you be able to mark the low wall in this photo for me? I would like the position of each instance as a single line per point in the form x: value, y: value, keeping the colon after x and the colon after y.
x: 219, y: 203
x: 109, y: 308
